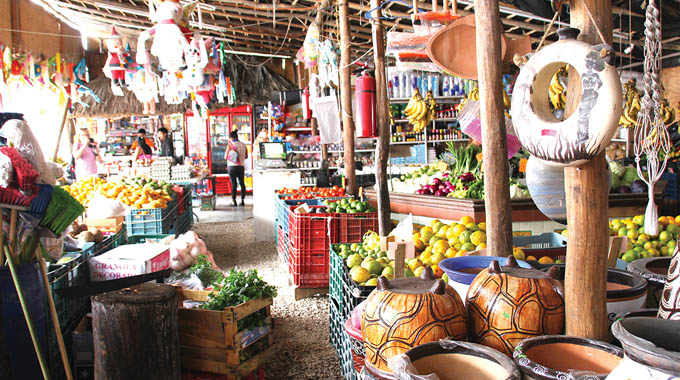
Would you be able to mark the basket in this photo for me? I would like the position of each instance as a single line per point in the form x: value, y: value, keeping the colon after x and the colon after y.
x: 352, y: 227
x: 548, y: 244
x: 308, y: 268
x: 150, y: 221
x: 311, y: 231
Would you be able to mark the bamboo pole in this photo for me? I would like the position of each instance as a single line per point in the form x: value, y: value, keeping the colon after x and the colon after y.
x: 586, y: 189
x: 494, y: 144
x: 346, y: 98
x: 61, y: 128
x: 382, y: 125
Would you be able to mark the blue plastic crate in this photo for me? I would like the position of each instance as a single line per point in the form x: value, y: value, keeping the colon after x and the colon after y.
x: 542, y: 241
x: 283, y: 210
x: 152, y: 221
x: 418, y: 156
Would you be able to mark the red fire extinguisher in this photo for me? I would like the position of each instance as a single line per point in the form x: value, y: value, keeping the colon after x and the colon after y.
x: 364, y: 94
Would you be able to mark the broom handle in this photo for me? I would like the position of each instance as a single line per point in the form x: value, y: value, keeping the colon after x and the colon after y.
x: 27, y: 315
x: 55, y: 318
x: 2, y: 235
x: 12, y: 228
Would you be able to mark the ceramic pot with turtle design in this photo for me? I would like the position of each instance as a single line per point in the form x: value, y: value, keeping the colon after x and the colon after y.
x: 403, y: 313
x: 508, y: 304
x: 559, y: 357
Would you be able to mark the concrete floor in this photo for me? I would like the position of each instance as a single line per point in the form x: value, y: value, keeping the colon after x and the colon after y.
x: 225, y: 212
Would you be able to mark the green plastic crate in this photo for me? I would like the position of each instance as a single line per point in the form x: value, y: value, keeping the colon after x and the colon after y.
x: 140, y: 239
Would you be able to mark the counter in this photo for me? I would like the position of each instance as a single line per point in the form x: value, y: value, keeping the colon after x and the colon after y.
x: 265, y: 182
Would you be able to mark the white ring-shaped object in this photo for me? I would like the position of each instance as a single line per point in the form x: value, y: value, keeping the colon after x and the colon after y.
x: 589, y: 130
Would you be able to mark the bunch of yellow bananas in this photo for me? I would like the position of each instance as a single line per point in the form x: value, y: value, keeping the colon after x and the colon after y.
x: 474, y: 94
x: 668, y: 113
x: 417, y: 111
x: 631, y: 105
x: 558, y: 94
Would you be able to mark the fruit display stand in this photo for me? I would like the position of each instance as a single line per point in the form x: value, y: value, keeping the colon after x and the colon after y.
x: 523, y: 210
x: 210, y: 341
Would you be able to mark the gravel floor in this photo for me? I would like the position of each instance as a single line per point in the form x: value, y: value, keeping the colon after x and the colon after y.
x: 301, y: 329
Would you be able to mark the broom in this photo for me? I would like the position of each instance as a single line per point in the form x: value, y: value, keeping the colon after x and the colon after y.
x: 62, y: 210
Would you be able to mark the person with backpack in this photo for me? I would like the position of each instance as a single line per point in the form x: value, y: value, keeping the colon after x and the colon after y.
x: 236, y: 156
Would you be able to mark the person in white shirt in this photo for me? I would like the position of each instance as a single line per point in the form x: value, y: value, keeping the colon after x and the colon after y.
x: 236, y: 156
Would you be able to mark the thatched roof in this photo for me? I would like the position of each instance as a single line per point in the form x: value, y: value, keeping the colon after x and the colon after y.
x: 254, y: 85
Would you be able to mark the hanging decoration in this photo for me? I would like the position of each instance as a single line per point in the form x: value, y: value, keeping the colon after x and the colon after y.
x: 651, y: 135
x: 116, y: 62
x: 588, y: 131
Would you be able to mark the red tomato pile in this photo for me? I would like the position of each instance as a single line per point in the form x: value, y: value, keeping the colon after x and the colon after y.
x: 309, y: 192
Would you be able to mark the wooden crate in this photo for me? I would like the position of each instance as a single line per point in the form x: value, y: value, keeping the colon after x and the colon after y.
x: 210, y: 340
x: 110, y: 225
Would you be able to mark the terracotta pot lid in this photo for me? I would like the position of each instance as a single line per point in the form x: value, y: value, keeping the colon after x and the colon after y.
x: 520, y: 46
x: 454, y: 48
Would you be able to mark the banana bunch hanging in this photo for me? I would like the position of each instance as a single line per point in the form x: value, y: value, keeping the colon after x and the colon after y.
x: 668, y: 113
x: 631, y: 105
x: 558, y: 94
x: 417, y: 112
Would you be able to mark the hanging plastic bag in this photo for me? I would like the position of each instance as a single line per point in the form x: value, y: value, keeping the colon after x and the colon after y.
x: 5, y: 171
x: 471, y: 125
x: 104, y: 208
x: 326, y: 112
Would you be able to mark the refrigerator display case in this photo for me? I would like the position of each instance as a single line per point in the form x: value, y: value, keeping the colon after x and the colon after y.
x: 207, y: 142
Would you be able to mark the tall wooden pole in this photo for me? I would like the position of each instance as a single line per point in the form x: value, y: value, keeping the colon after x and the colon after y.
x: 382, y: 124
x: 346, y: 98
x: 587, y: 201
x: 494, y: 144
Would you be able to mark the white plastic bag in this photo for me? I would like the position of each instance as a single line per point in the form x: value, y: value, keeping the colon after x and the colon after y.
x: 471, y: 125
x: 19, y: 134
x: 404, y: 229
x: 326, y: 112
x: 104, y: 208
x: 6, y: 170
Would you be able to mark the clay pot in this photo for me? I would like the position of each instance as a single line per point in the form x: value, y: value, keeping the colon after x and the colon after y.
x: 652, y: 348
x: 463, y: 270
x: 546, y: 186
x: 626, y: 291
x: 654, y: 270
x: 506, y: 305
x: 407, y: 312
x: 451, y: 360
x: 555, y: 356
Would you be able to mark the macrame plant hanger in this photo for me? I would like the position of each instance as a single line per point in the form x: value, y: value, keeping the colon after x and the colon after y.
x: 651, y: 136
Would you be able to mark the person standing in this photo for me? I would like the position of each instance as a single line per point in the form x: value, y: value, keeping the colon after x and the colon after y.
x: 165, y: 146
x: 142, y: 145
x: 86, y: 155
x: 236, y: 156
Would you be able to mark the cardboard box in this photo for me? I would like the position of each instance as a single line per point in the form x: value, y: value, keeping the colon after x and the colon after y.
x: 129, y: 260
x: 110, y: 225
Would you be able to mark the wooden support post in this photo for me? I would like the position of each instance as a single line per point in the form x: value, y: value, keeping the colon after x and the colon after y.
x: 586, y: 188
x: 61, y: 129
x: 346, y: 98
x: 494, y: 143
x: 318, y: 19
x: 298, y: 69
x: 382, y: 121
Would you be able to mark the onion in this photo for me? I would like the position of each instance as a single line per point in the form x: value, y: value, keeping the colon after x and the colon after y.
x: 438, y: 193
x: 176, y: 265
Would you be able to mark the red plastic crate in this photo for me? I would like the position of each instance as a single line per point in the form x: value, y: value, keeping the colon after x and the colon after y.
x: 352, y: 227
x: 311, y: 231
x: 308, y: 268
x: 222, y: 186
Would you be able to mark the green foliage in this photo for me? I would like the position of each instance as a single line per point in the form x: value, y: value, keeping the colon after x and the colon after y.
x: 239, y: 287
x: 465, y: 158
x: 204, y: 270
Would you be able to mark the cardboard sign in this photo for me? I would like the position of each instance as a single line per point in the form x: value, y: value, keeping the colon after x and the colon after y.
x: 129, y: 260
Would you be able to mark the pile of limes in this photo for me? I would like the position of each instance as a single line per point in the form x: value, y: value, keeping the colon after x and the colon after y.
x: 640, y: 244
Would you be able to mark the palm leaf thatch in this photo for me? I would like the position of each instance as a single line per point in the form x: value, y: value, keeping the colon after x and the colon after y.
x: 253, y: 84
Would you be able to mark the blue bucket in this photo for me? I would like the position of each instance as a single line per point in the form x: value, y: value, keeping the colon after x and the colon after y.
x: 462, y: 270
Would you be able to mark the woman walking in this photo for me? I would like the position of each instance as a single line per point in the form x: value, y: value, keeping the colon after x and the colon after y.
x: 236, y: 155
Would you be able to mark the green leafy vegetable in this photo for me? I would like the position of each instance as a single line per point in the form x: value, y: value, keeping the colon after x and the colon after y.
x: 239, y: 287
x: 204, y: 270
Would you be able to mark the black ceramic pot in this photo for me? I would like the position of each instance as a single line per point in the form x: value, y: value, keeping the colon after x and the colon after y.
x: 651, y: 342
x: 654, y: 270
x: 553, y: 357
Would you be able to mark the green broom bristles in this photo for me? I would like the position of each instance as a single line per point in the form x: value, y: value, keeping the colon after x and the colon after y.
x: 62, y: 210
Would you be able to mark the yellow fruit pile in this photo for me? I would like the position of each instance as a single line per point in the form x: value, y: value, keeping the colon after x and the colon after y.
x: 640, y: 245
x: 136, y: 197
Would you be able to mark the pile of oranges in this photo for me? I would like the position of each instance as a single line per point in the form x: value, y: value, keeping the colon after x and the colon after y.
x: 136, y: 197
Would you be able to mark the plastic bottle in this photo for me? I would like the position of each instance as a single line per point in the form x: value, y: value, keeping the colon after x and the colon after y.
x: 395, y: 86
x: 435, y: 84
x: 445, y: 86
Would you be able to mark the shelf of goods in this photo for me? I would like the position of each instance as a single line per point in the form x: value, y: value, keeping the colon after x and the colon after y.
x: 303, y: 239
x: 523, y: 210
x: 215, y: 341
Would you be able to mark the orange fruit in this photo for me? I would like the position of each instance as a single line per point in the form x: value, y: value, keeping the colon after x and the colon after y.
x: 545, y: 260
x: 467, y: 219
